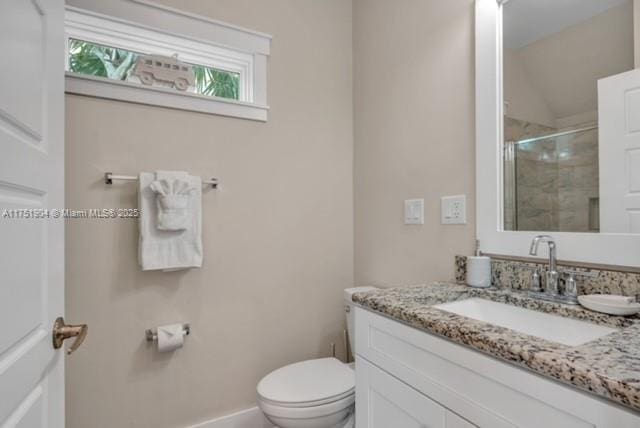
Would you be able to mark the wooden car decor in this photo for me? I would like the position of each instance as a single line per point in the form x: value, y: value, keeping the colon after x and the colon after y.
x: 151, y: 68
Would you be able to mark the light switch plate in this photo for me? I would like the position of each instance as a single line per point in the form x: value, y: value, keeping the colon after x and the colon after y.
x: 414, y: 211
x: 454, y: 209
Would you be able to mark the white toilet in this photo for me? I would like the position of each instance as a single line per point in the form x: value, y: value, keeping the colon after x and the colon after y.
x: 315, y: 393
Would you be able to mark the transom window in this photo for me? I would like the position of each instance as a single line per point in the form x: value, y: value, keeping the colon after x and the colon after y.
x: 119, y: 64
x: 192, y: 63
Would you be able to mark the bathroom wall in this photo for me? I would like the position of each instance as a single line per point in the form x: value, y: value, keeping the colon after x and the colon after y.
x: 522, y: 99
x: 278, y: 233
x: 414, y: 135
x: 565, y: 66
x: 552, y: 81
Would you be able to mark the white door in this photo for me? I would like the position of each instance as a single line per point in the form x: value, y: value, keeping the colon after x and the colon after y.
x: 382, y: 401
x: 619, y: 151
x: 31, y: 178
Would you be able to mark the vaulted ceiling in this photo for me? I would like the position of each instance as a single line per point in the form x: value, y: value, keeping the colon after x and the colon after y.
x: 566, y: 49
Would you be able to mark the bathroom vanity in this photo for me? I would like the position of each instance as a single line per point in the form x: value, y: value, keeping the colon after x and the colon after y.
x: 509, y: 361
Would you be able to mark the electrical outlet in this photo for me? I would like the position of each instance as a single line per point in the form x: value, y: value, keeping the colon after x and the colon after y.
x: 414, y: 211
x: 454, y: 209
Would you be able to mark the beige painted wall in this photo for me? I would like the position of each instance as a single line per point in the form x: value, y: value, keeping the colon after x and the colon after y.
x: 523, y: 100
x: 560, y: 71
x: 414, y: 135
x: 278, y: 234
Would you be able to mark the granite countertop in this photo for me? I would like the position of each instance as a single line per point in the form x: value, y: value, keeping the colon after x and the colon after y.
x: 608, y: 367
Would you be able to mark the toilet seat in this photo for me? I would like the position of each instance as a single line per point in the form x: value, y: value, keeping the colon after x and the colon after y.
x: 308, y: 384
x: 313, y: 393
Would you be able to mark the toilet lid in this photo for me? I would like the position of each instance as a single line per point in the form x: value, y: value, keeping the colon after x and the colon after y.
x: 308, y: 382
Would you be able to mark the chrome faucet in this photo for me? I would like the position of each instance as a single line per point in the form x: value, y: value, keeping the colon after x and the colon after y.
x: 569, y: 294
x: 553, y: 277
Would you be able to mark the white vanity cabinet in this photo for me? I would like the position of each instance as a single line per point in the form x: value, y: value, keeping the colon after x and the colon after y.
x: 409, y: 378
x: 389, y: 402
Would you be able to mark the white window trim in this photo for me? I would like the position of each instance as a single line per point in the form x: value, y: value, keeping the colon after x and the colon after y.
x: 601, y: 248
x: 247, y: 58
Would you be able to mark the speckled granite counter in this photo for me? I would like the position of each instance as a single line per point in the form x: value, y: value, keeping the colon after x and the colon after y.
x: 608, y: 367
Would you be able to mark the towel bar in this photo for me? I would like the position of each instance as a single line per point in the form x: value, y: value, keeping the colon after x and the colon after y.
x: 110, y: 176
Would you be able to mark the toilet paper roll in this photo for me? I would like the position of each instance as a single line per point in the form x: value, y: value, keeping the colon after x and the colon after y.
x: 170, y: 337
x: 479, y: 271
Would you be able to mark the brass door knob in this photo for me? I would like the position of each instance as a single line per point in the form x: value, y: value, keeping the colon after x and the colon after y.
x: 62, y: 331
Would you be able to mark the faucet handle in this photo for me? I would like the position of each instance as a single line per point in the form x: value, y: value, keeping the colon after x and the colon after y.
x: 571, y: 286
x: 536, y: 283
x: 574, y: 273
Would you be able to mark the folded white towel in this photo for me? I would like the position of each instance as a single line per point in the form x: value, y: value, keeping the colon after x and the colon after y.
x: 169, y: 249
x: 173, y: 192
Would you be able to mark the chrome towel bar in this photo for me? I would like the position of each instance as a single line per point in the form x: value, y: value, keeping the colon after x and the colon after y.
x: 110, y: 176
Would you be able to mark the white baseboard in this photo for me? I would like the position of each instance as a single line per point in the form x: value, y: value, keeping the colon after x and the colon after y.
x: 250, y: 418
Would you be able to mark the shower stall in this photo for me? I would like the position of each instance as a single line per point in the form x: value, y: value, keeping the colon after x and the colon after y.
x: 551, y: 181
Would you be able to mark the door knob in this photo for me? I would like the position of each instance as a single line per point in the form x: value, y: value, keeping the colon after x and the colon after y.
x: 62, y: 331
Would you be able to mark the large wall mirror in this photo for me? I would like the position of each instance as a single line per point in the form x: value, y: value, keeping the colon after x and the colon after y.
x: 554, y: 54
x: 558, y: 124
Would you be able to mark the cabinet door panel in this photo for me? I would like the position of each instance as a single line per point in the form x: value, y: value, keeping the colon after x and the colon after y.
x: 483, y: 390
x: 383, y: 401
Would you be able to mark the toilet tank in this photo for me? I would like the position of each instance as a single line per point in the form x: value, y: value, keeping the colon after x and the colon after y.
x: 351, y: 314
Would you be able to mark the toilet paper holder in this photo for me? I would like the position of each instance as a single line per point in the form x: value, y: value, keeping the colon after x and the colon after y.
x: 152, y: 334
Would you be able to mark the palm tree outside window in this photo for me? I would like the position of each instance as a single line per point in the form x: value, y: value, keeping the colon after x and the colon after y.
x: 117, y: 64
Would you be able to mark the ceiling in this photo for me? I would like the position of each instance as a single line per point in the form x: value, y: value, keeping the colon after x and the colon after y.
x: 526, y: 21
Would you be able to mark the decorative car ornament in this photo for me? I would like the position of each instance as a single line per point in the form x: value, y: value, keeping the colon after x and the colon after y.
x: 151, y: 68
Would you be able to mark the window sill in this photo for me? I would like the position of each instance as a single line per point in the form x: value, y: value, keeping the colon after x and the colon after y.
x: 163, y: 97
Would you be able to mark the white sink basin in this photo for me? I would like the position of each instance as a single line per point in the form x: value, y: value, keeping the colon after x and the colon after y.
x: 546, y: 326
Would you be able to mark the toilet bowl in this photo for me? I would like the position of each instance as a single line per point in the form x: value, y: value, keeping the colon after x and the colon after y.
x: 310, y: 394
x: 316, y: 393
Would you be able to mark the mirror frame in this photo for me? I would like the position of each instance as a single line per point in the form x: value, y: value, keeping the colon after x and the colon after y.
x: 599, y: 248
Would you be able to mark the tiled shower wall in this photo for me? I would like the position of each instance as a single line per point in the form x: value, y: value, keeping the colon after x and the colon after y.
x: 537, y: 196
x: 578, y: 182
x: 556, y: 180
x: 519, y: 216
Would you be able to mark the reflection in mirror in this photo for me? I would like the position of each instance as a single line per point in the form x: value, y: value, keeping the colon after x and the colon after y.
x: 554, y: 53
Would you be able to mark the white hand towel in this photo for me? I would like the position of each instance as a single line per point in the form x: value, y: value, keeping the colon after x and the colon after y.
x: 173, y: 192
x: 164, y: 249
